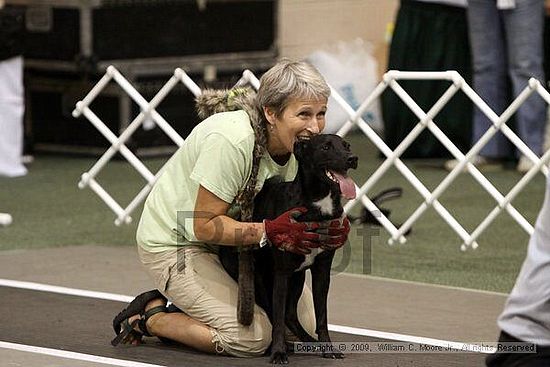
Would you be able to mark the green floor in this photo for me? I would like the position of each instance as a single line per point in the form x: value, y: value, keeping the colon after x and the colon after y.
x: 49, y: 210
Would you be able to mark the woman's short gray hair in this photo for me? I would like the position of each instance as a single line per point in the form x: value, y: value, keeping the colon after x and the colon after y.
x: 289, y: 80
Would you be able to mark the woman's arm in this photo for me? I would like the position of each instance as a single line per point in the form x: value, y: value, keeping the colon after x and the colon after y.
x: 211, y: 224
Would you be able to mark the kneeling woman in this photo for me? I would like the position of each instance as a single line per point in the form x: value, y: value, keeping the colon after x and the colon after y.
x: 205, y: 197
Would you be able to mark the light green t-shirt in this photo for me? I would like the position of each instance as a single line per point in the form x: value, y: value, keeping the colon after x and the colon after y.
x: 216, y: 155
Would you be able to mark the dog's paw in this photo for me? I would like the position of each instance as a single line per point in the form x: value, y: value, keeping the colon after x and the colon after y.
x: 279, y: 358
x: 333, y: 355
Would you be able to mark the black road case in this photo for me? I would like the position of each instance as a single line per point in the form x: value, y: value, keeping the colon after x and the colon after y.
x: 70, y: 43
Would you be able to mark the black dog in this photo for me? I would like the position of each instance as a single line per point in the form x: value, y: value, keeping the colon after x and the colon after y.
x: 321, y: 181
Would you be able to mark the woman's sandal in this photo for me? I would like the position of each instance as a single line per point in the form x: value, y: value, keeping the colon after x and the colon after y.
x: 125, y: 330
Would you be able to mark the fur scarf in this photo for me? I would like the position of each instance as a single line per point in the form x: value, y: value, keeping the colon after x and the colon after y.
x: 215, y: 101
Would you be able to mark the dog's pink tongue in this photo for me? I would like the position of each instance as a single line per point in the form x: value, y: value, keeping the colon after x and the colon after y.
x: 347, y: 186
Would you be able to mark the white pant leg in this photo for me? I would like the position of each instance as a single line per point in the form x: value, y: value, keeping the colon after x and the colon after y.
x: 11, y: 117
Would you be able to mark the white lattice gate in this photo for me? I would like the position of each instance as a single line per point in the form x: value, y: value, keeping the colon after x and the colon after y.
x: 390, y: 80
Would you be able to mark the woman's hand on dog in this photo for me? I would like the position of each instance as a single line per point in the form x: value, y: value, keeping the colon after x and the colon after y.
x: 333, y: 234
x: 287, y: 234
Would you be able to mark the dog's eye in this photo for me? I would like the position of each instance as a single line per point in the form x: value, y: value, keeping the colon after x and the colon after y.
x: 326, y: 147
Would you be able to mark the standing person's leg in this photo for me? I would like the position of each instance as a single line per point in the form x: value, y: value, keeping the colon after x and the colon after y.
x: 524, y: 27
x: 527, y: 310
x: 489, y: 67
x: 11, y: 117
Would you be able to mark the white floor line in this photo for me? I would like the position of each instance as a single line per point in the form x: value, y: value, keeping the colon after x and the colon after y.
x: 74, y: 355
x: 471, y: 347
x: 411, y: 282
x: 64, y: 290
x: 126, y: 299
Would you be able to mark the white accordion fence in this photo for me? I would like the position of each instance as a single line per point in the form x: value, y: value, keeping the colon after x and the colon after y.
x: 390, y: 80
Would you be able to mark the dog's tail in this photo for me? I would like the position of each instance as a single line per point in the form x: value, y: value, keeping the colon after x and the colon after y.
x: 245, y: 304
x: 388, y: 194
x: 367, y: 217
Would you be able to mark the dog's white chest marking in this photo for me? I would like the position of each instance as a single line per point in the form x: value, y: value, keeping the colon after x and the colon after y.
x: 325, y: 205
x: 310, y: 258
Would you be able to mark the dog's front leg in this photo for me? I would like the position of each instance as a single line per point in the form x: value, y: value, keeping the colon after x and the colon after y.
x: 295, y: 288
x: 320, y: 275
x: 278, y: 346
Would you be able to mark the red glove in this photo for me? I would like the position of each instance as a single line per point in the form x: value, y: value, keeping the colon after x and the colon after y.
x: 333, y: 234
x: 287, y: 234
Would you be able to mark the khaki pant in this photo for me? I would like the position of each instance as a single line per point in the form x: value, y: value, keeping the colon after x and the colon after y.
x: 193, y: 278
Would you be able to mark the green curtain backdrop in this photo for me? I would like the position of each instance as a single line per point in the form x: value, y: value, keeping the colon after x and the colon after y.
x: 429, y: 37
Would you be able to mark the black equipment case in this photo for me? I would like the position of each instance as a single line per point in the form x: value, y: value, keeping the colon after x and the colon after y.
x: 70, y: 43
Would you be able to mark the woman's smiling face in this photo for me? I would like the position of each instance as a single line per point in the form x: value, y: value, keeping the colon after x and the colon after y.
x: 300, y: 118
